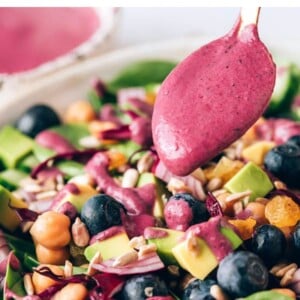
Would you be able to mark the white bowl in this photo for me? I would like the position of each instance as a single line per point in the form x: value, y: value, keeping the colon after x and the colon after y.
x: 72, y: 83
x: 96, y: 44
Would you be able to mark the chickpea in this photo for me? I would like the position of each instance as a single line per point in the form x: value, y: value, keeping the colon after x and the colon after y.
x: 51, y: 256
x: 80, y: 112
x: 42, y: 282
x: 74, y: 291
x: 51, y: 229
x: 258, y: 211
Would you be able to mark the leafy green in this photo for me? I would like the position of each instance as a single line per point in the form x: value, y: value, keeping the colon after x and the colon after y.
x: 23, y: 249
x: 29, y: 261
x: 127, y: 148
x: 14, y: 280
x: 20, y: 245
x: 72, y: 132
x: 94, y: 100
x: 97, y: 102
x: 70, y: 168
x: 42, y: 153
x: 141, y: 73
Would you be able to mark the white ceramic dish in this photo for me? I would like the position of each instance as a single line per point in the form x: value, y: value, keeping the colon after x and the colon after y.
x: 95, y: 45
x: 72, y: 83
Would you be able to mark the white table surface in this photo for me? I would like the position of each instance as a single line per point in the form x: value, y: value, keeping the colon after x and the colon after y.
x: 139, y: 25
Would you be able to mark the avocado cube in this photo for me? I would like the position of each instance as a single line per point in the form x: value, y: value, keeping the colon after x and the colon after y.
x: 250, y: 177
x: 77, y: 200
x: 10, y: 178
x: 165, y: 244
x: 111, y: 247
x: 200, y: 264
x: 28, y: 163
x: 8, y: 216
x: 14, y: 146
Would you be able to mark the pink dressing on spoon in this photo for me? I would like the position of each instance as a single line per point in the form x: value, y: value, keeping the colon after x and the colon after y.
x: 33, y: 36
x: 211, y: 98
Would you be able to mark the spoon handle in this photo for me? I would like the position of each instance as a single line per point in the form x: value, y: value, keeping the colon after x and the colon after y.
x: 249, y: 15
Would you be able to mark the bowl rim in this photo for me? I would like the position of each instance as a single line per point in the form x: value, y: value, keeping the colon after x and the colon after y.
x: 16, y: 92
x: 107, y: 17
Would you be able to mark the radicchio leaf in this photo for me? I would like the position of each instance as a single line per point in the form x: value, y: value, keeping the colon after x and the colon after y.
x: 149, y: 263
x: 213, y: 206
x: 101, y: 286
x: 24, y: 214
x: 73, y: 155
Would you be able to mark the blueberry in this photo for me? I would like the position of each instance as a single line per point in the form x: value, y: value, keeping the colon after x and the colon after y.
x: 101, y: 212
x: 296, y: 236
x: 199, y: 290
x: 183, y: 210
x: 242, y: 273
x: 294, y: 140
x: 36, y: 119
x: 269, y: 243
x: 284, y: 162
x: 144, y: 286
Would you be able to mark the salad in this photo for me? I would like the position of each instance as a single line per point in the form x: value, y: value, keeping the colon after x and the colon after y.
x: 88, y: 211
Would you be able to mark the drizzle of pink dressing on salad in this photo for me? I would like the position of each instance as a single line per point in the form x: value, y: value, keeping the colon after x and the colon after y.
x: 210, y: 232
x: 33, y: 36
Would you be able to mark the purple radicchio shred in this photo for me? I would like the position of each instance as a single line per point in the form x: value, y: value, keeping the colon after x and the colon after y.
x: 54, y: 141
x: 132, y: 114
x: 24, y: 214
x: 213, y: 206
x: 282, y: 192
x: 69, y: 210
x: 74, y: 155
x: 141, y: 106
x: 139, y: 130
x: 101, y: 286
x: 108, y: 113
x: 99, y: 87
x: 6, y: 256
x: 49, y: 174
x: 120, y: 133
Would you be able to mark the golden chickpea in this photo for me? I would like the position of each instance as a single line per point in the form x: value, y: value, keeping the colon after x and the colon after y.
x: 51, y: 256
x: 258, y: 211
x: 72, y: 291
x: 80, y: 112
x: 51, y: 229
x: 41, y: 282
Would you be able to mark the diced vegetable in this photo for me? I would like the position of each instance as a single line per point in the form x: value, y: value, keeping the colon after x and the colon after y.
x: 11, y: 178
x: 14, y: 146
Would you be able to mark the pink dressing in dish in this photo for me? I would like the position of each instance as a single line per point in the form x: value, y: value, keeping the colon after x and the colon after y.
x: 211, y: 98
x: 32, y: 36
